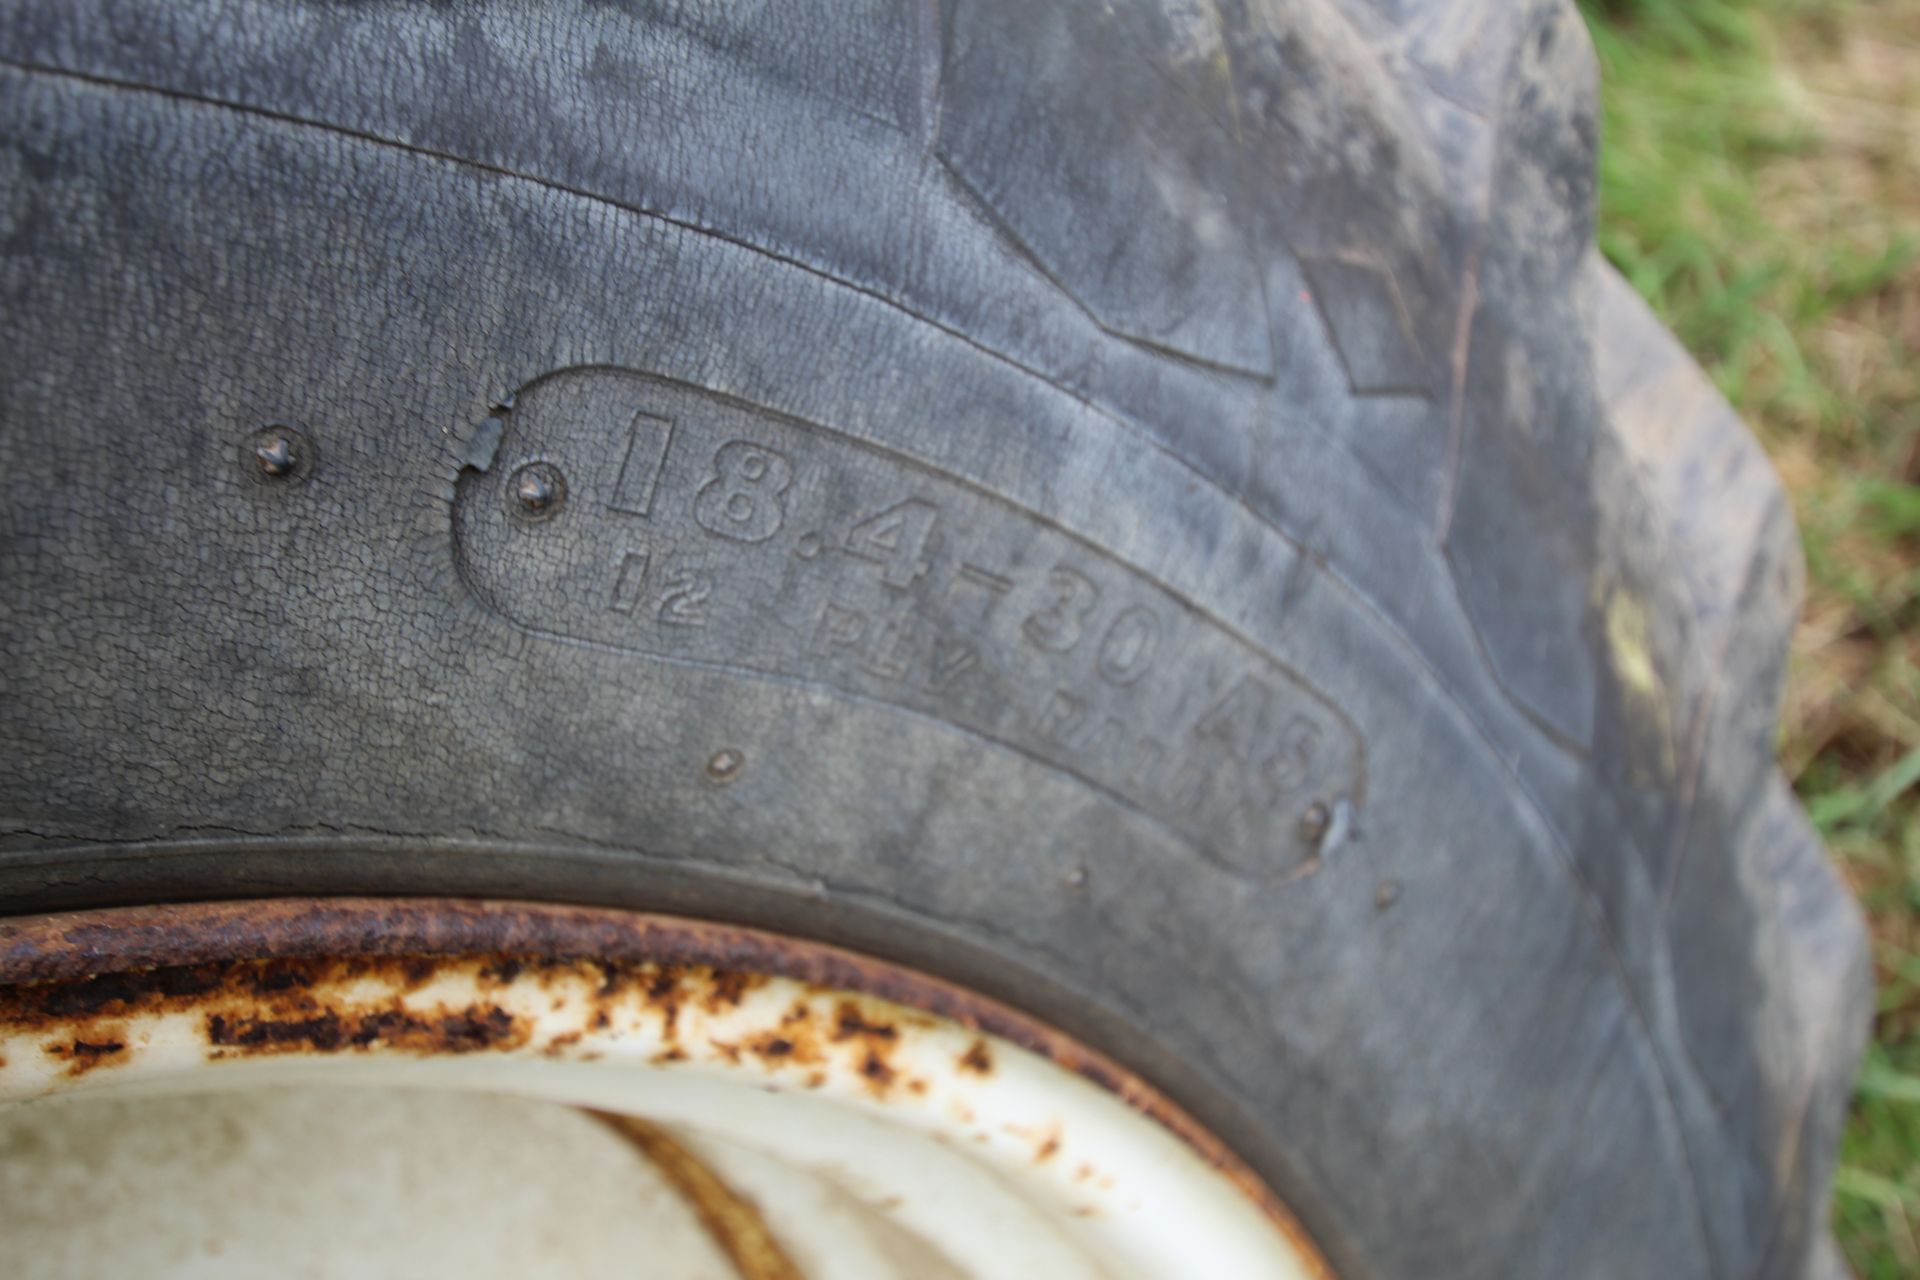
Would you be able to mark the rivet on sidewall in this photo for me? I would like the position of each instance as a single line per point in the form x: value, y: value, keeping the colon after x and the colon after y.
x: 277, y: 454
x: 536, y: 492
x: 725, y: 765
x: 1314, y: 823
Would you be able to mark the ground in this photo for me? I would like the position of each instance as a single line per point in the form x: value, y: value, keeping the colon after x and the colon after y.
x: 1761, y: 186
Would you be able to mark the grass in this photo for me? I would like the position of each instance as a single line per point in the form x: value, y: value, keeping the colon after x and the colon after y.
x: 1760, y: 185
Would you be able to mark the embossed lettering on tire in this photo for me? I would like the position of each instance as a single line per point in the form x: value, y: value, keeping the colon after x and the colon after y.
x: 703, y: 530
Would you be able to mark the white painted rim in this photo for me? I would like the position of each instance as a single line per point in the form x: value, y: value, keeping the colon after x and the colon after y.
x: 992, y: 1159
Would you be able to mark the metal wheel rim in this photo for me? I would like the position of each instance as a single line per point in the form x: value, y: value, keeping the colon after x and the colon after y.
x: 990, y: 1142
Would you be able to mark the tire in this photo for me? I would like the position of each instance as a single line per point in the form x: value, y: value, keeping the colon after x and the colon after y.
x: 1157, y: 514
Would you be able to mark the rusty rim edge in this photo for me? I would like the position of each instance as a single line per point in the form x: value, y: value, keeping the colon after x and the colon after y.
x: 78, y: 945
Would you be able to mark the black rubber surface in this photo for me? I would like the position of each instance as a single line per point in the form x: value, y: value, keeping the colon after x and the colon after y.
x: 1156, y: 512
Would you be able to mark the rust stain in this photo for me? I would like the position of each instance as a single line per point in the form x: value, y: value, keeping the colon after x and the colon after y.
x: 733, y: 1221
x: 1046, y: 1142
x: 850, y: 1021
x: 663, y: 993
x: 877, y: 1071
x: 503, y: 970
x: 464, y: 1030
x: 264, y: 1007
x: 66, y: 971
x: 728, y: 988
x: 795, y: 1043
x: 977, y: 1059
x: 559, y: 1045
x: 99, y: 1046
